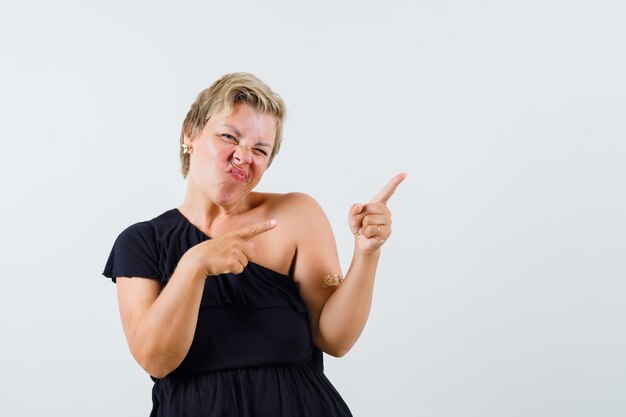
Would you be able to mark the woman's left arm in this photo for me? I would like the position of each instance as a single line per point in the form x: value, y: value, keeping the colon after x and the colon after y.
x: 338, y: 314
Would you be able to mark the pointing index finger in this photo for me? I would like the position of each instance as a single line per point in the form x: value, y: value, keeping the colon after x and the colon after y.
x: 385, y: 194
x: 256, y: 229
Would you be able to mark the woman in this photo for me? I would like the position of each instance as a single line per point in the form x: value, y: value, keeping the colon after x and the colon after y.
x: 244, y: 289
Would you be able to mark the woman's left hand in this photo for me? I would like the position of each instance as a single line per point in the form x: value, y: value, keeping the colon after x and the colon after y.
x: 371, y: 223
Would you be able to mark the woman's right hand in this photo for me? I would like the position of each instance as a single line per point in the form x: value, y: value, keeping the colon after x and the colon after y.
x: 229, y: 253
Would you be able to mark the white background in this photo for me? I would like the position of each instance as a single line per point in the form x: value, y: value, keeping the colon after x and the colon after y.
x: 502, y: 291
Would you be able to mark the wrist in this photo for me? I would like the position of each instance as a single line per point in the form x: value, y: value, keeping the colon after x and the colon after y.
x: 192, y: 265
x: 367, y: 253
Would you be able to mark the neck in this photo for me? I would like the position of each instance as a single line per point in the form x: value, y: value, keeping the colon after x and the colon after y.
x: 207, y: 214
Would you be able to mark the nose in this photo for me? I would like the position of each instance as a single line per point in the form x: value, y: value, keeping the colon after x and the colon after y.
x: 242, y: 155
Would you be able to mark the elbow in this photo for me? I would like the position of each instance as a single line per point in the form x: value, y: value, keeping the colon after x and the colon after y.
x: 157, y: 369
x: 338, y: 350
x: 337, y: 353
x: 155, y: 365
x: 156, y: 357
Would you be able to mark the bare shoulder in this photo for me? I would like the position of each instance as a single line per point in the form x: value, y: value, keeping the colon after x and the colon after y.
x: 293, y: 206
x: 300, y: 219
x: 303, y: 222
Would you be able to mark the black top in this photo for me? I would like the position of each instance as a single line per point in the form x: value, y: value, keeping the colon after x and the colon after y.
x: 252, y: 352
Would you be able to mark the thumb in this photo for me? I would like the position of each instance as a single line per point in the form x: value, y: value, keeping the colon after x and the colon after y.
x: 248, y: 250
x: 354, y: 211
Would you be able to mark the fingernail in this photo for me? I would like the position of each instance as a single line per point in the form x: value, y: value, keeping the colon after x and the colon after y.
x: 273, y: 222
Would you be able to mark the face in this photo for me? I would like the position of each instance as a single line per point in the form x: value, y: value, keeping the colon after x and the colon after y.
x: 229, y: 157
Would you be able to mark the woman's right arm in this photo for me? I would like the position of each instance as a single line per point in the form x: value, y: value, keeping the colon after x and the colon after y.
x: 159, y: 324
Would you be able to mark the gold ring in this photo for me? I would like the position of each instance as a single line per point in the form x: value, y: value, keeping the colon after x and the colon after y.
x: 377, y: 230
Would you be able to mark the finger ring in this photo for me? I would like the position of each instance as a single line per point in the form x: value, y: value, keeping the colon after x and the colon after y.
x: 377, y: 230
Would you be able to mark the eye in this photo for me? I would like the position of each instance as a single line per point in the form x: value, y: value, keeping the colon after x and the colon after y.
x: 229, y: 138
x: 261, y: 151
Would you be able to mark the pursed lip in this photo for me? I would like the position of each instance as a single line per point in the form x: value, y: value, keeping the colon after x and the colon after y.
x: 239, y: 173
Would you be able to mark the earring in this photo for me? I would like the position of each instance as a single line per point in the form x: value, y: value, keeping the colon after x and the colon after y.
x: 186, y: 148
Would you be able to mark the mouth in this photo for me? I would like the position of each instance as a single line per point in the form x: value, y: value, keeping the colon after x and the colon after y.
x: 238, y: 174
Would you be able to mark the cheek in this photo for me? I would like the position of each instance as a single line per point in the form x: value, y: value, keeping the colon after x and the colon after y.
x: 260, y: 164
x: 258, y: 168
x: 220, y: 156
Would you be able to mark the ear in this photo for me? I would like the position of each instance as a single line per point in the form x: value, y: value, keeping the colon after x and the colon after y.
x: 188, y: 142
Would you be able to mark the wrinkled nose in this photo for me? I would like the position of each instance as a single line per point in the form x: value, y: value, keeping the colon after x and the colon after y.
x: 242, y: 155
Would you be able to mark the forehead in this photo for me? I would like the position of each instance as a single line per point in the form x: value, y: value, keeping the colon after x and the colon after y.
x: 246, y: 122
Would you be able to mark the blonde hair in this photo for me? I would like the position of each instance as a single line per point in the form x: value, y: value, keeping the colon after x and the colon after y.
x: 238, y: 87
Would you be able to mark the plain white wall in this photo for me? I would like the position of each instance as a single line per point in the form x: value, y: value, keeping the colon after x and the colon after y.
x: 501, y: 292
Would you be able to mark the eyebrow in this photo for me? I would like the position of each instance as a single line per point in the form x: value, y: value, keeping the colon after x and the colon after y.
x: 238, y: 133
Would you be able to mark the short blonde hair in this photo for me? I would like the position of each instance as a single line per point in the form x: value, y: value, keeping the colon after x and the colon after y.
x: 238, y: 87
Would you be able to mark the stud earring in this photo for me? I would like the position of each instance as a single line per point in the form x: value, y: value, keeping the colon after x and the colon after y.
x: 186, y: 148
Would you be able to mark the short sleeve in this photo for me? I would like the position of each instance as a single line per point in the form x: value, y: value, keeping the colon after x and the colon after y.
x: 134, y: 254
